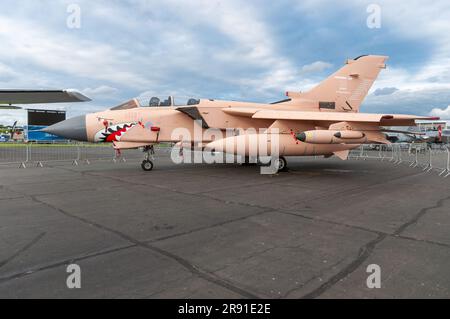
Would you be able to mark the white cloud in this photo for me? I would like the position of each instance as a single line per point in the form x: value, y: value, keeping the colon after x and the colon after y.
x: 7, y: 74
x: 442, y: 113
x: 253, y: 43
x: 413, y: 20
x: 426, y: 23
x: 408, y: 101
x: 170, y: 45
x: 222, y: 49
x: 100, y: 92
x: 8, y: 117
x: 315, y: 67
x: 385, y: 91
x: 60, y: 53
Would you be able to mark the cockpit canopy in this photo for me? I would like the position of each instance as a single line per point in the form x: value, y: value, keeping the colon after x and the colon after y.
x: 155, y: 101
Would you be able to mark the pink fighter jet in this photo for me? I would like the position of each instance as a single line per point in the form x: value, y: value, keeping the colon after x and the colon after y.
x: 322, y: 121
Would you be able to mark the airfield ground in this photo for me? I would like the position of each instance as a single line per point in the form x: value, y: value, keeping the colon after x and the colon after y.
x: 224, y: 231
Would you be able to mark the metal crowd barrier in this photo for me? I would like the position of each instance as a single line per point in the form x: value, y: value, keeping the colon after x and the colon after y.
x: 428, y: 157
x: 31, y: 154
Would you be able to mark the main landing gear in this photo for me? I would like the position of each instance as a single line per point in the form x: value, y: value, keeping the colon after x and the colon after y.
x: 281, y: 164
x: 249, y: 161
x: 147, y: 164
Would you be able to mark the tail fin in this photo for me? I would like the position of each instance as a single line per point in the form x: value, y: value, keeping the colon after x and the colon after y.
x: 345, y: 90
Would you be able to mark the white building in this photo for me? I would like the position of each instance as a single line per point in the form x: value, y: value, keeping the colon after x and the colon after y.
x: 430, y: 126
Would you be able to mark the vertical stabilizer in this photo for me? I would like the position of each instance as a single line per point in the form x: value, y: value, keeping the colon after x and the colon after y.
x: 345, y: 90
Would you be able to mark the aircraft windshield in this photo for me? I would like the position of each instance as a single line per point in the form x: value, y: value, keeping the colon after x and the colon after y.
x: 127, y: 105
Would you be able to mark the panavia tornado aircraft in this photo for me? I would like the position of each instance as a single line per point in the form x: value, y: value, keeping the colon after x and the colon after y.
x: 322, y: 121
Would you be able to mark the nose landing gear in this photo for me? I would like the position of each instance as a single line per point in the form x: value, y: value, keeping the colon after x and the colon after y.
x: 147, y: 164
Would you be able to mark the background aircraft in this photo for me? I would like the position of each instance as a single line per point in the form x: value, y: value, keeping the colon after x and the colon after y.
x: 322, y: 121
x: 8, y: 97
x: 407, y: 137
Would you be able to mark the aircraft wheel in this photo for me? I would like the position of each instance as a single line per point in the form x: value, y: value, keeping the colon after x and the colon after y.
x: 281, y: 164
x: 147, y: 165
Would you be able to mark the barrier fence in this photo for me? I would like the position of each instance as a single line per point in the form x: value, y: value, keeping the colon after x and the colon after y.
x: 428, y: 157
x: 30, y: 154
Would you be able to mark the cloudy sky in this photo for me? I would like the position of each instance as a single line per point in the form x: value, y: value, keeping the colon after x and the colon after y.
x: 245, y: 50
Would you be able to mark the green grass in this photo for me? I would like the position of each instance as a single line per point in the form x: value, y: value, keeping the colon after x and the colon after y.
x: 8, y: 144
x: 4, y: 145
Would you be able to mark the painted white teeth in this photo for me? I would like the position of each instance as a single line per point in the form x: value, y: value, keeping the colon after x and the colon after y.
x: 117, y: 129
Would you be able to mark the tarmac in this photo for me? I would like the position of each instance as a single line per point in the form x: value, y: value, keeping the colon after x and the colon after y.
x: 224, y: 230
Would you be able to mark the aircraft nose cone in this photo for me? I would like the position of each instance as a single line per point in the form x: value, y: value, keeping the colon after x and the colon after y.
x: 301, y: 137
x: 73, y: 128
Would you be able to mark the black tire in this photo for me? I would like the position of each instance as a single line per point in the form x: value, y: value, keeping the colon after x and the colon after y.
x: 147, y: 165
x: 282, y: 167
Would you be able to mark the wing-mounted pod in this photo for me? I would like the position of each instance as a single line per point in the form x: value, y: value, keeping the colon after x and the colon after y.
x: 332, y: 137
x: 372, y: 132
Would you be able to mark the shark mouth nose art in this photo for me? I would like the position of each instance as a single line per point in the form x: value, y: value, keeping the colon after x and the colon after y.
x: 113, y: 133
